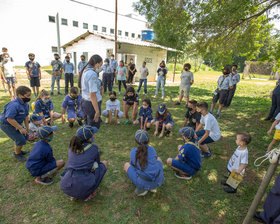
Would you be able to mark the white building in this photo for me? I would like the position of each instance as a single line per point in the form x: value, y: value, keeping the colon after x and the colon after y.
x: 30, y: 25
x: 127, y: 48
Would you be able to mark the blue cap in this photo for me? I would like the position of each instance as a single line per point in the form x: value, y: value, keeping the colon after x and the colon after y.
x: 188, y: 132
x: 35, y: 117
x: 45, y: 131
x: 141, y: 136
x: 161, y: 108
x: 86, y: 132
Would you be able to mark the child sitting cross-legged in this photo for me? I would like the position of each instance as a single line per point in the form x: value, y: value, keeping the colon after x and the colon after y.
x: 41, y: 162
x: 188, y: 161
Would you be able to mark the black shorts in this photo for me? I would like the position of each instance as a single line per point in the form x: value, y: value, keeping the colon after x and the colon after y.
x: 34, y: 81
x: 221, y: 96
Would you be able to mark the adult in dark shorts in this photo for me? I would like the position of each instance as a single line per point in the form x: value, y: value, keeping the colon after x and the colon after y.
x: 221, y: 93
x: 33, y: 73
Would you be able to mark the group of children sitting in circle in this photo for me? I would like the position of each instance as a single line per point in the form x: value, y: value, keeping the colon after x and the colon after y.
x: 84, y: 170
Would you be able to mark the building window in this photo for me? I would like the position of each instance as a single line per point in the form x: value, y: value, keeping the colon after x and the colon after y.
x: 75, y: 23
x: 112, y: 31
x: 126, y: 34
x: 85, y: 25
x: 119, y: 32
x: 104, y: 29
x: 64, y: 22
x: 139, y: 35
x: 54, y: 50
x: 51, y: 19
x: 133, y: 35
x: 95, y: 27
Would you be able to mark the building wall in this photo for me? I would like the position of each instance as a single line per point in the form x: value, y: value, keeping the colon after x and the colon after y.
x: 25, y: 26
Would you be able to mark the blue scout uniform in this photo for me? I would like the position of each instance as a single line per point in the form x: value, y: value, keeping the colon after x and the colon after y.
x: 235, y: 78
x: 90, y: 84
x: 146, y: 113
x: 17, y: 110
x: 41, y: 159
x: 81, y: 65
x: 221, y: 93
x: 68, y: 68
x: 73, y: 107
x: 107, y: 76
x: 84, y: 172
x: 130, y: 100
x: 149, y: 178
x: 44, y: 108
x: 167, y: 120
x: 189, y: 159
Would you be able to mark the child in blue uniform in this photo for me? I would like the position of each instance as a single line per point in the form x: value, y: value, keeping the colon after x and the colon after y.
x: 14, y: 113
x: 145, y: 169
x: 188, y: 161
x: 163, y: 121
x: 84, y: 170
x: 44, y: 107
x: 71, y: 103
x: 130, y: 100
x: 146, y: 115
x: 41, y: 163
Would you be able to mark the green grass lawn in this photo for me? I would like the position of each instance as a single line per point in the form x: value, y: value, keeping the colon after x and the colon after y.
x: 200, y: 200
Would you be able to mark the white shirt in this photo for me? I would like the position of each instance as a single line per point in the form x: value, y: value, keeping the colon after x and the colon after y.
x: 8, y: 69
x: 277, y: 126
x: 113, y: 106
x: 211, y: 124
x: 143, y: 73
x: 239, y: 157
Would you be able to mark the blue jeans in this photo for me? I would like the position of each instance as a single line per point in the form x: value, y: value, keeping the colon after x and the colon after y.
x: 57, y: 79
x: 208, y: 140
x: 160, y: 82
x: 140, y: 85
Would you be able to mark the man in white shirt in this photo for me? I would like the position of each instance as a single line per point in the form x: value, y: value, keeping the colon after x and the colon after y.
x: 210, y: 133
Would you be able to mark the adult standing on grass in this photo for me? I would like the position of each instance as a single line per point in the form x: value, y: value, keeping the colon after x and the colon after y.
x: 14, y: 114
x: 56, y: 73
x: 131, y: 71
x: 33, y: 73
x: 114, y: 64
x: 2, y: 75
x: 275, y: 107
x: 68, y: 69
x: 235, y: 78
x: 91, y: 91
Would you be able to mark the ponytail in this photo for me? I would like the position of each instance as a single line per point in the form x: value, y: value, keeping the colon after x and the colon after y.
x: 141, y: 155
x: 76, y: 144
x: 95, y: 59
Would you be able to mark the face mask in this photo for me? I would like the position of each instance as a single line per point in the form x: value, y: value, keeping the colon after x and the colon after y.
x: 121, y: 66
x: 112, y: 99
x: 98, y: 70
x: 25, y: 99
x: 106, y: 63
x: 145, y: 107
x: 189, y: 108
x: 67, y: 60
x: 234, y: 69
x: 50, y: 139
x: 130, y: 96
x: 225, y: 73
x: 186, y: 69
x: 73, y: 97
x: 45, y: 100
x: 31, y: 59
x: 56, y: 58
x: 161, y: 113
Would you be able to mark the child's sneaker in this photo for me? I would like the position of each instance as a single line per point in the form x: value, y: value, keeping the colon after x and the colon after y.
x: 24, y: 152
x: 217, y: 116
x: 177, y: 103
x: 162, y: 97
x: 51, y: 93
x: 80, y: 123
x: 44, y: 181
x: 155, y: 96
x: 90, y: 196
x: 71, y: 125
x: 183, y: 176
x: 206, y: 154
x: 106, y: 121
x: 140, y: 192
x: 20, y: 157
x: 153, y: 190
x: 224, y: 182
x: 230, y: 190
x: 119, y: 93
x: 167, y: 133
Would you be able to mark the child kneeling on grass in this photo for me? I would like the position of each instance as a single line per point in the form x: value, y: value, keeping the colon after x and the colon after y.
x: 239, y: 159
x: 145, y: 169
x: 211, y: 132
x: 113, y: 109
x: 163, y: 121
x: 276, y: 136
x: 188, y: 161
x: 146, y: 115
x: 72, y: 104
x: 41, y: 162
x: 84, y: 170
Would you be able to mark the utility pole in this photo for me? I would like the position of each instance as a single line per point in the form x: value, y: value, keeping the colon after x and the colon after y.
x: 58, y: 35
x: 116, y: 28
